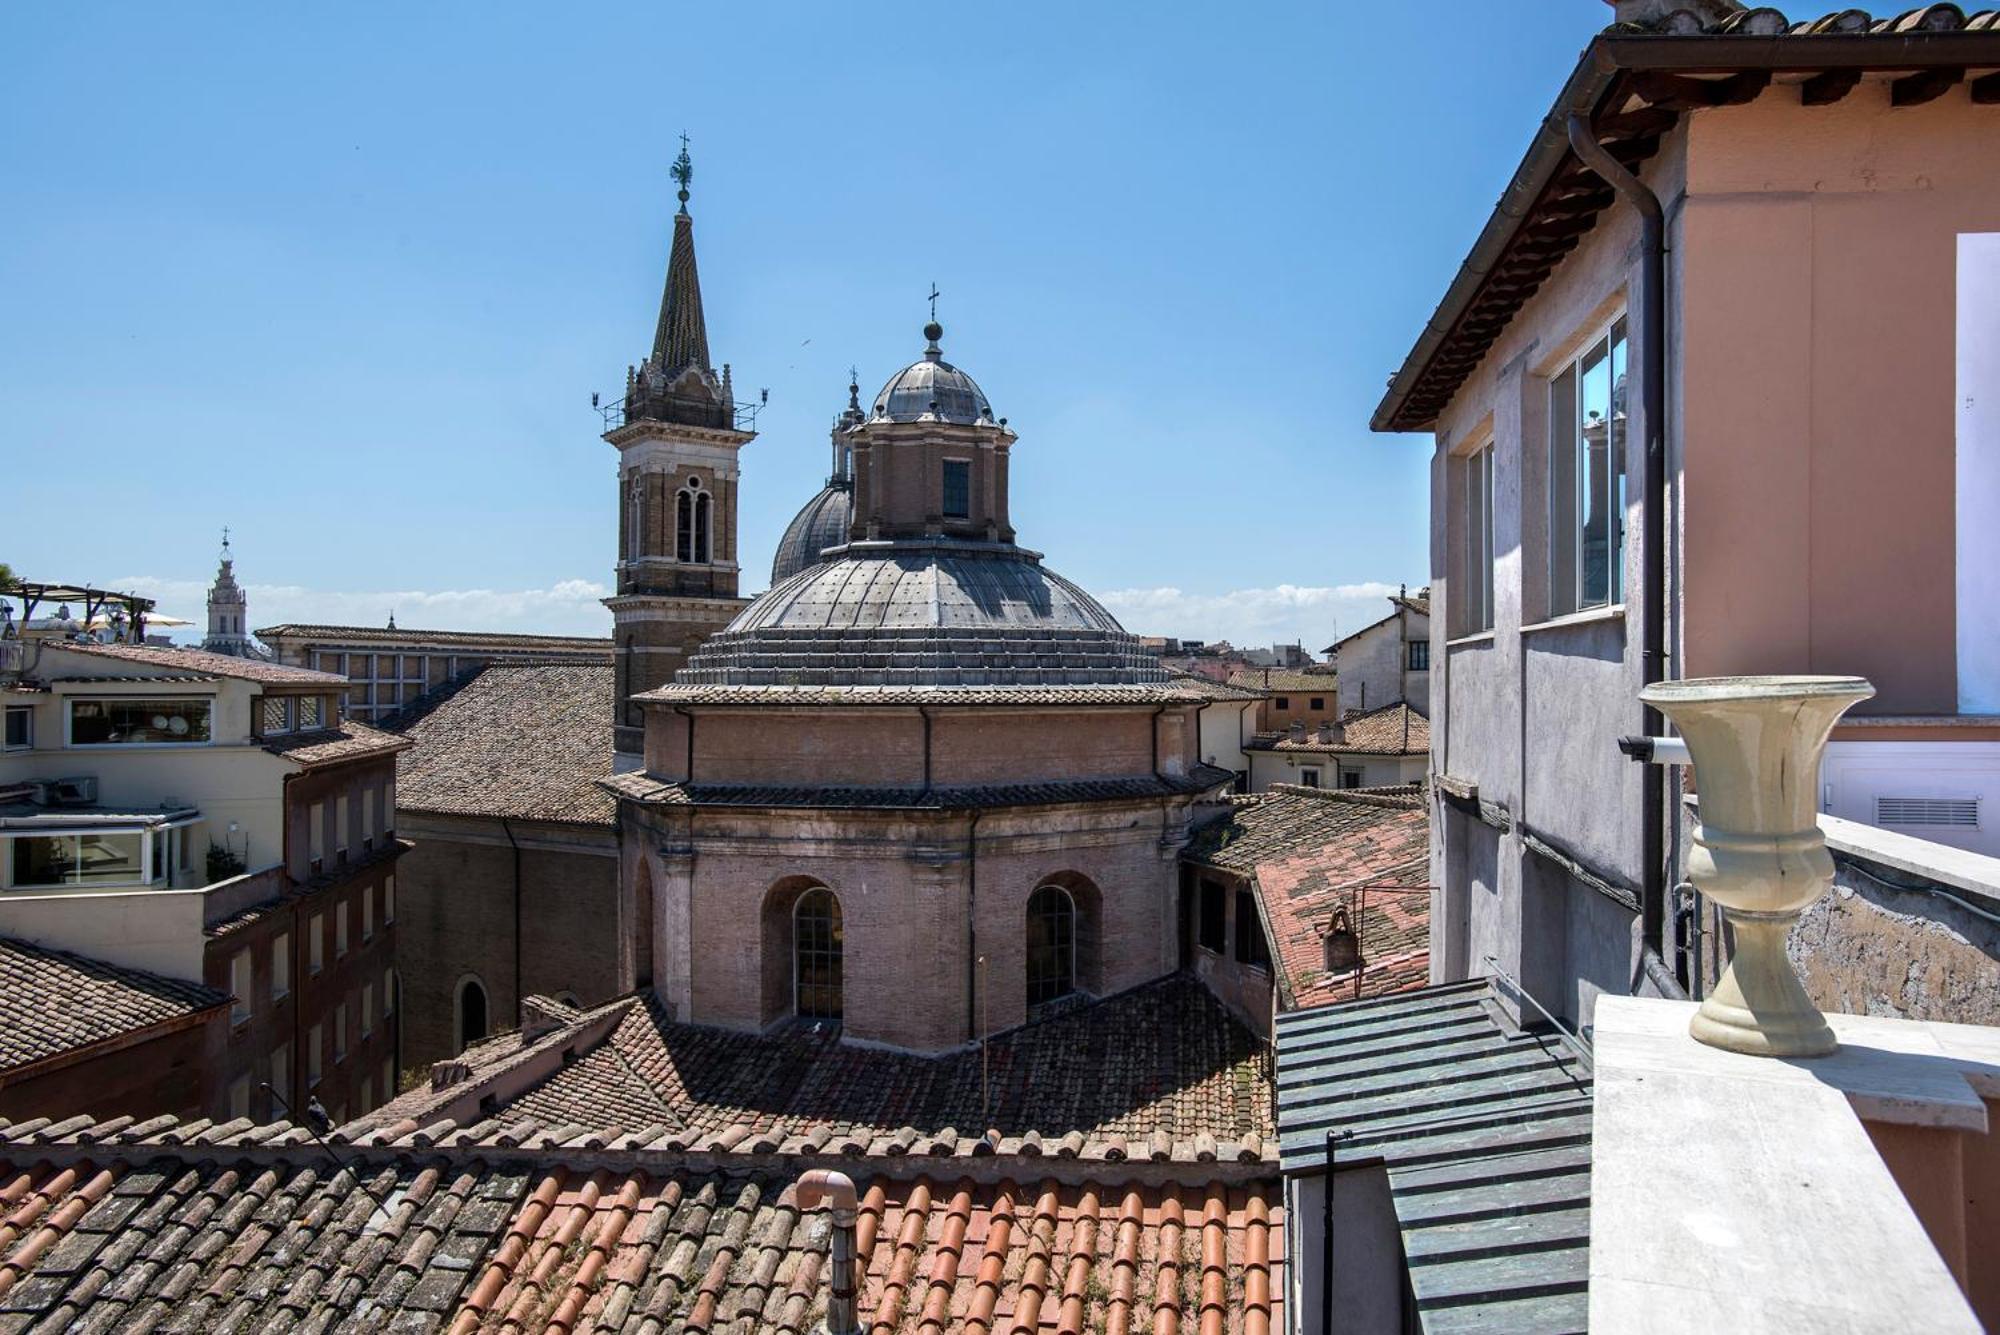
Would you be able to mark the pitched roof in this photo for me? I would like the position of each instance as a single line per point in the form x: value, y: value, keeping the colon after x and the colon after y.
x: 53, y: 1003
x: 1484, y: 1131
x: 639, y: 786
x: 332, y: 746
x: 1159, y: 1071
x: 1312, y: 851
x: 1212, y: 690
x: 1393, y: 730
x: 526, y: 742
x: 1283, y: 679
x: 1421, y: 605
x: 1169, y: 692
x: 200, y: 660
x: 1632, y: 82
x: 193, y: 1227
x: 406, y: 635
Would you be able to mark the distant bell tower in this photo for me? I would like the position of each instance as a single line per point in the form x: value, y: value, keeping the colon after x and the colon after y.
x: 677, y: 431
x: 228, y: 610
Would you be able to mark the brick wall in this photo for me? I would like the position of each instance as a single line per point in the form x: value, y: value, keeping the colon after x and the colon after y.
x: 160, y: 1074
x: 456, y: 918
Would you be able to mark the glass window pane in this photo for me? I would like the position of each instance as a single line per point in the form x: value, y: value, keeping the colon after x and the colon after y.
x: 1619, y: 404
x: 138, y: 722
x: 1562, y: 493
x: 957, y: 489
x: 1594, y: 463
x: 817, y: 945
x: 310, y: 712
x: 112, y: 858
x: 273, y: 715
x: 1051, y: 945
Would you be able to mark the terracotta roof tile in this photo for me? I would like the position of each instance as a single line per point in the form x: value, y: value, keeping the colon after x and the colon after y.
x: 1170, y: 692
x: 332, y: 746
x: 1310, y: 851
x: 405, y: 635
x: 1165, y: 1057
x: 1393, y: 730
x: 1262, y: 680
x: 465, y: 1243
x: 528, y: 742
x: 53, y: 1002
x: 200, y: 660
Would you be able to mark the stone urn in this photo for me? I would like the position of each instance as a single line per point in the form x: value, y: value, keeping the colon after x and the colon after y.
x: 1756, y: 744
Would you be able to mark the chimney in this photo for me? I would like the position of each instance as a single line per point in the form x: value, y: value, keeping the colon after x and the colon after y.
x: 837, y: 1191
x: 1326, y: 732
x: 1298, y: 730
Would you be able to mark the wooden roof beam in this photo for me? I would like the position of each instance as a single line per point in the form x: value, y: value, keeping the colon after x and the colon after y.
x: 1682, y: 92
x: 1827, y: 87
x: 1913, y: 90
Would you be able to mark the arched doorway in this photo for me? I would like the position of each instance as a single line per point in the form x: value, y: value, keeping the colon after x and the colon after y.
x: 642, y: 926
x: 471, y: 1012
x: 816, y: 955
x: 1051, y: 952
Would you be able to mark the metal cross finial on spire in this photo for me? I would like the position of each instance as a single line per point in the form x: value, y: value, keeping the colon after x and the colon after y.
x: 225, y: 537
x: 683, y: 171
x: 934, y: 297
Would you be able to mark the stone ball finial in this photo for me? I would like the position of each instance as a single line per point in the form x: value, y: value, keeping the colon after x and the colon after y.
x: 933, y: 331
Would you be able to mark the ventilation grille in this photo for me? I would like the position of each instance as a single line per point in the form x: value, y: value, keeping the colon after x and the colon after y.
x: 1959, y: 812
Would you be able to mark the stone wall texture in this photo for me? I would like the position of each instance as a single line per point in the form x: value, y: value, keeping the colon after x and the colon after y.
x: 1869, y: 947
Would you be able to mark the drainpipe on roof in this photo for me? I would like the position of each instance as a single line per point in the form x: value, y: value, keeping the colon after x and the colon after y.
x: 823, y: 1185
x: 1652, y: 640
x: 972, y: 929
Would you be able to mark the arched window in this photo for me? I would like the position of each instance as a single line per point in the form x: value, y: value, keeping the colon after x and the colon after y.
x: 693, y: 508
x: 816, y: 945
x: 471, y: 1012
x: 1051, y: 944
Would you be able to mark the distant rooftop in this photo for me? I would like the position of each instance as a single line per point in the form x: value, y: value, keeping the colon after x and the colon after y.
x: 54, y: 1004
x: 200, y: 660
x: 408, y: 635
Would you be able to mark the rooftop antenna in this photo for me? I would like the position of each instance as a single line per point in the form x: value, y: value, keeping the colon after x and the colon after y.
x: 683, y: 171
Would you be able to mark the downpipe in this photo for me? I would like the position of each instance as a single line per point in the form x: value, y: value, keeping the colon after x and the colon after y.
x: 823, y: 1186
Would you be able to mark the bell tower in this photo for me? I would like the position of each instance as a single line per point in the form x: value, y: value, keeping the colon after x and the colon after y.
x: 228, y: 611
x: 677, y: 431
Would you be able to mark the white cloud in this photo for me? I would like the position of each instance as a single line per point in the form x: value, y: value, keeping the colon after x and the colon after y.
x: 567, y: 607
x: 1315, y: 615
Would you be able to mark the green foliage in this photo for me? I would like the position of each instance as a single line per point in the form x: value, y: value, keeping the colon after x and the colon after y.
x: 222, y: 864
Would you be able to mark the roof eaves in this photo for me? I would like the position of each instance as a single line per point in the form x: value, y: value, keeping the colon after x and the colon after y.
x: 1609, y: 54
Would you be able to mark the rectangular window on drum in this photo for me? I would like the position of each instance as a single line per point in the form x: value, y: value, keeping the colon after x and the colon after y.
x: 957, y: 489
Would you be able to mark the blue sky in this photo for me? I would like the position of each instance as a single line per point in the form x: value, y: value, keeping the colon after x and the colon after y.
x: 345, y: 279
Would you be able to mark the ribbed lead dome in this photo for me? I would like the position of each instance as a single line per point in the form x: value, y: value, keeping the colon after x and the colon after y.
x: 821, y: 524
x: 924, y: 613
x: 932, y: 388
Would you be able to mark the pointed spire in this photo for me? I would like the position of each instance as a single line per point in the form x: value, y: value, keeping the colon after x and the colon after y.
x: 681, y: 340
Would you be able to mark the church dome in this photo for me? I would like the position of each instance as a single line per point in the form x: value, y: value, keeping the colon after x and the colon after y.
x: 820, y: 525
x: 931, y: 612
x: 932, y: 388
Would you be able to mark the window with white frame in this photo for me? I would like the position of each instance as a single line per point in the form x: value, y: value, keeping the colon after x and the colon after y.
x: 140, y: 722
x: 1587, y: 401
x: 1476, y: 607
x: 20, y: 728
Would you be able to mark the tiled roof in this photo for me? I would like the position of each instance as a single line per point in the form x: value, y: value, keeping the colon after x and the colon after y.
x: 1170, y: 692
x: 1284, y: 679
x: 1484, y: 1131
x: 332, y: 746
x: 1392, y: 730
x: 1633, y: 82
x: 200, y: 660
x: 192, y: 1227
x: 53, y: 1002
x: 1217, y: 690
x: 522, y: 742
x: 1310, y: 851
x: 640, y: 787
x: 1159, y: 1071
x: 403, y: 635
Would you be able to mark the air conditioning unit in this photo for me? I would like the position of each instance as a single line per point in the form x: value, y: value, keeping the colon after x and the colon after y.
x: 72, y: 792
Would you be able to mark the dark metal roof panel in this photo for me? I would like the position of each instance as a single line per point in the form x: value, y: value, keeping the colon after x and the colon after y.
x: 1484, y: 1131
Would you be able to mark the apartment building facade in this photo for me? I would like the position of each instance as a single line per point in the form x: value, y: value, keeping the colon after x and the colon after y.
x: 1702, y: 405
x: 210, y: 818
